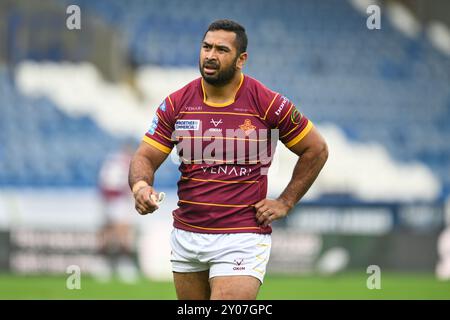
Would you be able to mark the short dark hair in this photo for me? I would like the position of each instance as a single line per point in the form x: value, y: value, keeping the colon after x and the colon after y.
x: 230, y: 25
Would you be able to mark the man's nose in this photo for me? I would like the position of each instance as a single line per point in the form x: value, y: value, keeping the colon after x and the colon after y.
x: 211, y: 54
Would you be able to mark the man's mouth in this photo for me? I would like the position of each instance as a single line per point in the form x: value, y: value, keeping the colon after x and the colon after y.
x: 210, y: 68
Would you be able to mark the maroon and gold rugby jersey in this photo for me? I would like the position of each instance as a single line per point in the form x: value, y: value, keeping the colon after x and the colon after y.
x: 225, y: 151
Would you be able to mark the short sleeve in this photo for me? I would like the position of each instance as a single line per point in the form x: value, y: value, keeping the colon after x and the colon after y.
x: 161, y: 128
x: 283, y: 115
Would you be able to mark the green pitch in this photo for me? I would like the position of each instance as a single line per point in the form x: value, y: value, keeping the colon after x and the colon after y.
x: 344, y: 286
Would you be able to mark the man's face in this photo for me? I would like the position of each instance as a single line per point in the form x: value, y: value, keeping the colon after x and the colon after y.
x: 218, y: 57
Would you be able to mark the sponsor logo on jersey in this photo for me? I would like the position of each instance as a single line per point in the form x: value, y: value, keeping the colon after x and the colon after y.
x: 162, y: 106
x: 282, y: 105
x: 296, y: 116
x: 216, y: 123
x: 228, y: 170
x: 187, y: 124
x: 194, y: 108
x: 238, y: 263
x: 154, y: 125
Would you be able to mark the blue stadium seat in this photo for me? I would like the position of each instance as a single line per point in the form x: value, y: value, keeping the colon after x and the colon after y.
x: 378, y: 86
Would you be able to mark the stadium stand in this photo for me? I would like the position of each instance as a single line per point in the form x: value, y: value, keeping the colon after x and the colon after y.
x: 376, y: 85
x: 41, y: 146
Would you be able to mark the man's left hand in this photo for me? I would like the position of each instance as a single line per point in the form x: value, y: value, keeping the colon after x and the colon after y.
x: 268, y: 210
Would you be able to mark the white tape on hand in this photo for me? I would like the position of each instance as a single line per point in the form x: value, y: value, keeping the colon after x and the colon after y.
x: 158, y: 199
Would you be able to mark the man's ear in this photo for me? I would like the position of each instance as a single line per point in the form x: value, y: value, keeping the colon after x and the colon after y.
x: 241, y: 60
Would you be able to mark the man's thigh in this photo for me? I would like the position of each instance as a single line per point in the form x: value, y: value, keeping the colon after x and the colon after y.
x: 234, y: 287
x: 192, y: 285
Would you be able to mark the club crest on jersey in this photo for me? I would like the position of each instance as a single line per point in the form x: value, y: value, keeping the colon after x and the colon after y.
x: 187, y: 124
x: 247, y: 127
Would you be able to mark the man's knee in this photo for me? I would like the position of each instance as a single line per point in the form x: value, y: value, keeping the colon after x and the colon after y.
x: 234, y: 288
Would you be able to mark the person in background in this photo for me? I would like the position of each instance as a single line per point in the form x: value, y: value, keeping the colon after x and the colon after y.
x: 117, y: 234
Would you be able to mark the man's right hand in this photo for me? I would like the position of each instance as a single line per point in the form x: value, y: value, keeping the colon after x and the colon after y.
x: 144, y: 203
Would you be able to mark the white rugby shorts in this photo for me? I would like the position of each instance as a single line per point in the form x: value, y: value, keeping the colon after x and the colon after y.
x: 228, y: 254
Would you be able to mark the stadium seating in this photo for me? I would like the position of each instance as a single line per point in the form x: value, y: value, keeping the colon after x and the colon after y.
x: 41, y: 146
x: 376, y: 85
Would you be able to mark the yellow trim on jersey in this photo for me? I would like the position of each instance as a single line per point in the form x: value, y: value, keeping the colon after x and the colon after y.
x: 287, y: 113
x: 187, y: 161
x: 285, y: 135
x: 218, y: 204
x: 221, y: 181
x: 223, y: 104
x: 218, y: 137
x: 206, y: 159
x: 270, y: 106
x: 170, y: 100
x: 302, y: 134
x: 233, y: 113
x: 162, y: 120
x: 218, y: 229
x: 160, y: 134
x: 157, y: 145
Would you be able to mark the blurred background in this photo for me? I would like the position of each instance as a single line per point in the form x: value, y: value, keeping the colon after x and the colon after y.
x: 75, y: 103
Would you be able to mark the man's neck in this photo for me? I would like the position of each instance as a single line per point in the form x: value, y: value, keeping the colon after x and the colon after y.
x: 222, y: 94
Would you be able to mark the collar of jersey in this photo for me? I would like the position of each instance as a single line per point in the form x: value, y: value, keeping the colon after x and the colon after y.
x: 224, y: 104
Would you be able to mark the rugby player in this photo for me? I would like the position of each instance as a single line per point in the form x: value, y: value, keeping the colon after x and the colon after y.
x: 221, y: 238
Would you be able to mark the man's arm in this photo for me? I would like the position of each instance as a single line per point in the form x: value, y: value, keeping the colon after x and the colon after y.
x: 313, y: 153
x: 145, y: 162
